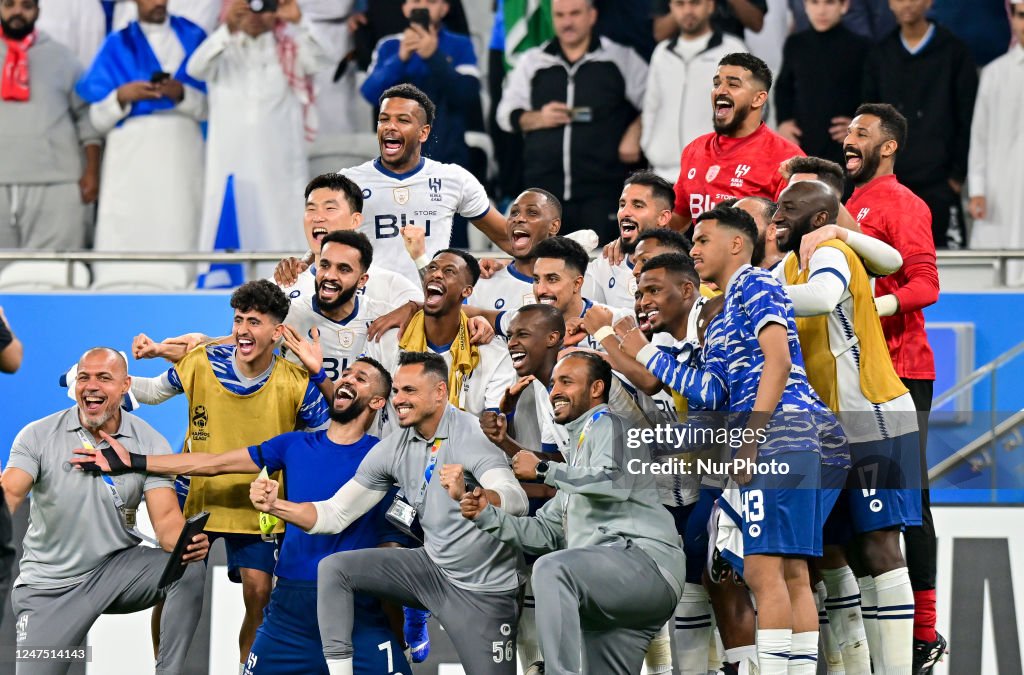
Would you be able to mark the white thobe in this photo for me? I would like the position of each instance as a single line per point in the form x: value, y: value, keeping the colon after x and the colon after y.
x: 995, y: 166
x: 79, y: 25
x: 151, y: 188
x: 203, y: 13
x: 256, y: 133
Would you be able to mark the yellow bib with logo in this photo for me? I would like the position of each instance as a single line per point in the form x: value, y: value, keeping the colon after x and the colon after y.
x: 878, y: 379
x: 220, y: 421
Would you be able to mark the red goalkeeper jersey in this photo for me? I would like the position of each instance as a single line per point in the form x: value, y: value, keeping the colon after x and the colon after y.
x: 889, y: 211
x: 714, y: 168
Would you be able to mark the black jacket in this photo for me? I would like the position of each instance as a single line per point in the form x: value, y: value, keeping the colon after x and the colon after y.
x: 935, y: 90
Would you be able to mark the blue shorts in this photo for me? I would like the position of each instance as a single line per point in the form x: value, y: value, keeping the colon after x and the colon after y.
x: 248, y: 551
x: 781, y: 513
x: 692, y: 524
x: 884, y: 489
x: 288, y: 640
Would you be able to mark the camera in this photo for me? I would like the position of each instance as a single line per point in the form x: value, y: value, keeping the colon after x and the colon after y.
x: 263, y: 6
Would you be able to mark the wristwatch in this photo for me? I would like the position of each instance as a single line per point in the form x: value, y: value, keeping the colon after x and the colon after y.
x: 542, y: 469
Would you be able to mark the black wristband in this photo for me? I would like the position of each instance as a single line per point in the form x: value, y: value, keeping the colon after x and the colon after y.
x: 138, y: 461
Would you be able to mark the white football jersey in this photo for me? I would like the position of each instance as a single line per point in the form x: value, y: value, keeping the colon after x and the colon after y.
x: 482, y: 390
x: 504, y: 320
x: 343, y: 341
x: 429, y: 196
x: 509, y: 289
x: 382, y: 285
x: 614, y: 286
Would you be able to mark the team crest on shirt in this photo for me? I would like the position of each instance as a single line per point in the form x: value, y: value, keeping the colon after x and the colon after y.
x: 691, y: 173
x: 346, y: 338
x: 712, y: 173
x: 200, y: 418
x: 401, y: 196
x: 862, y: 214
x: 435, y: 189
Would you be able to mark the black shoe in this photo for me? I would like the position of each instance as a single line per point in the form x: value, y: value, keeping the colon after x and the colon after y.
x: 536, y: 668
x: 729, y: 669
x: 927, y: 654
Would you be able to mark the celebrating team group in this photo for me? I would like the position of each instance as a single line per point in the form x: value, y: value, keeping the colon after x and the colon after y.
x: 464, y: 438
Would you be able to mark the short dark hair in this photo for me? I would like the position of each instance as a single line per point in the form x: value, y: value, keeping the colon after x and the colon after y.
x: 432, y: 363
x: 667, y: 238
x: 733, y: 218
x: 411, y: 93
x: 385, y: 376
x: 546, y: 315
x: 565, y: 249
x: 261, y: 296
x: 661, y: 189
x: 352, y: 239
x: 674, y: 262
x: 768, y: 207
x: 893, y: 123
x: 597, y: 369
x: 828, y: 172
x: 758, y: 68
x: 556, y: 204
x: 471, y: 263
x: 338, y: 183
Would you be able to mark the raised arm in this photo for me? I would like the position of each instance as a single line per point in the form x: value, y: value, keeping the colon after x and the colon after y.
x: 327, y: 517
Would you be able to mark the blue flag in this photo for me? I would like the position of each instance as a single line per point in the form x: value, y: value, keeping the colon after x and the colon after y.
x: 225, y: 275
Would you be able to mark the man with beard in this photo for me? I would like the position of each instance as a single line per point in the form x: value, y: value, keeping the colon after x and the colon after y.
x: 470, y: 582
x: 401, y: 187
x: 333, y: 203
x: 238, y: 394
x: 82, y: 554
x: 43, y: 187
x: 742, y: 157
x: 478, y: 374
x: 336, y: 312
x: 534, y: 216
x: 315, y: 465
x: 766, y: 252
x: 887, y: 210
x: 150, y: 110
x: 603, y: 526
x: 832, y: 297
x: 645, y: 203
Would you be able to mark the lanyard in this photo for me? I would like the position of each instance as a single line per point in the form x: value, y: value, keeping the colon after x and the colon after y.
x: 428, y: 473
x: 586, y: 427
x: 127, y: 515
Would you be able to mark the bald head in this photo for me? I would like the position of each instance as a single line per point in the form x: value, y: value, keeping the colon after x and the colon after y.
x: 817, y: 195
x: 803, y: 207
x: 108, y: 356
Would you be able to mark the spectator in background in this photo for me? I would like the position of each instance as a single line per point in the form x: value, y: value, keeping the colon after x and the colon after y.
x: 981, y: 24
x: 869, y: 18
x: 79, y: 25
x: 730, y: 16
x: 439, y: 62
x: 150, y: 108
x: 682, y: 69
x: 927, y: 73
x: 204, y: 13
x: 596, y: 119
x: 819, y: 85
x: 995, y: 165
x: 258, y: 71
x: 373, y: 20
x: 43, y: 126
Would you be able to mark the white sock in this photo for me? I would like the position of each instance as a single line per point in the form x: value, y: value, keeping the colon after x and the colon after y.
x: 773, y: 646
x: 527, y: 645
x: 869, y: 610
x: 716, y: 650
x: 843, y: 605
x: 829, y: 642
x: 241, y: 669
x: 803, y: 653
x: 339, y: 666
x: 693, y: 630
x: 896, y: 620
x: 659, y: 652
x: 744, y: 656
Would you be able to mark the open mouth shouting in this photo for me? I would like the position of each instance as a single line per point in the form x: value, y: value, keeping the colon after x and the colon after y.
x: 521, y: 240
x: 518, y: 357
x: 434, y: 294
x: 628, y: 229
x: 643, y: 321
x: 391, y: 146
x: 854, y: 159
x: 93, y: 403
x: 328, y: 292
x: 246, y: 346
x: 653, y: 319
x: 345, y: 393
x: 319, y: 232
x: 723, y: 108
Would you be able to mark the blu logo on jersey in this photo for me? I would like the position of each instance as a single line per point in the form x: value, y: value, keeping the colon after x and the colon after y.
x: 387, y: 226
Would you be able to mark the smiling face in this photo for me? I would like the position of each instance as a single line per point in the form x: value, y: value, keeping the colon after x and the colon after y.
x: 101, y: 383
x: 18, y: 17
x: 865, y: 147
x: 255, y: 335
x: 417, y: 395
x: 572, y: 392
x: 664, y: 302
x: 531, y: 220
x: 793, y: 219
x: 446, y: 283
x: 639, y: 211
x: 359, y: 388
x: 735, y: 97
x: 555, y: 283
x: 339, y: 274
x: 401, y: 130
x: 327, y: 211
x: 529, y: 343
